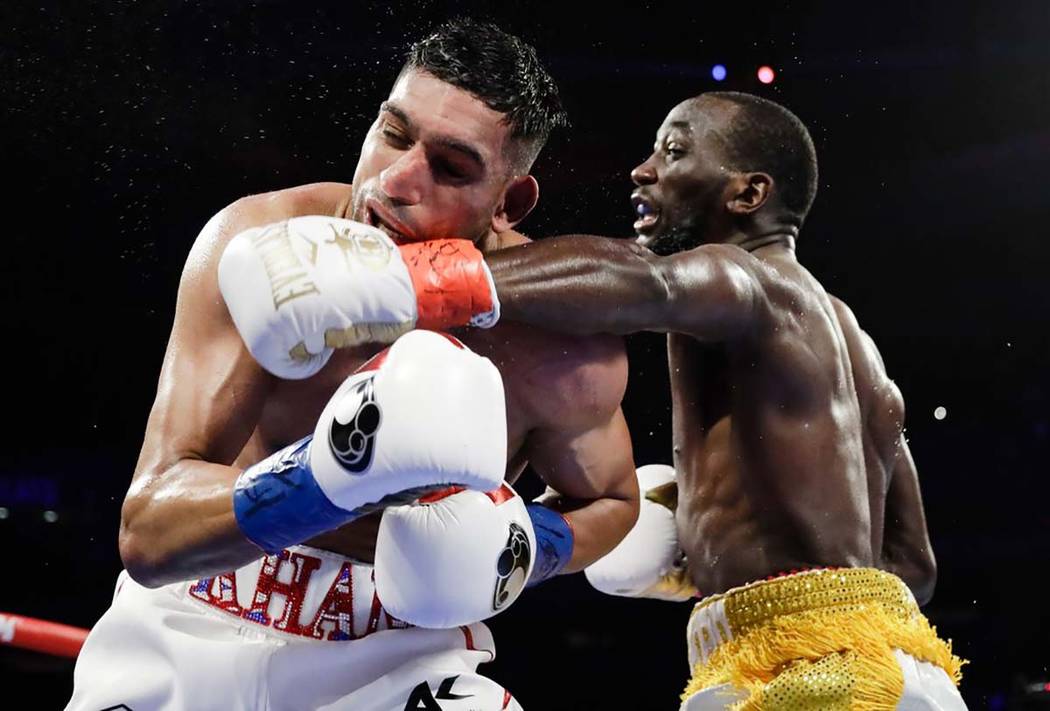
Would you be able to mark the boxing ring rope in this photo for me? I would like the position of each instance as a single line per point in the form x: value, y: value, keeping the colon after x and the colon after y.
x: 41, y: 635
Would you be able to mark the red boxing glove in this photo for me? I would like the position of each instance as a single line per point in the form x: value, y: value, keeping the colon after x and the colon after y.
x: 453, y: 284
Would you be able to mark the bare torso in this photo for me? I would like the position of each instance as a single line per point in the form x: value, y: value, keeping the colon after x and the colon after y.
x: 535, y: 364
x: 784, y: 440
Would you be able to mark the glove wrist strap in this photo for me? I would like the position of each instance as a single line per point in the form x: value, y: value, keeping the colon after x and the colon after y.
x: 278, y: 503
x: 452, y: 283
x: 554, y: 542
x: 487, y: 319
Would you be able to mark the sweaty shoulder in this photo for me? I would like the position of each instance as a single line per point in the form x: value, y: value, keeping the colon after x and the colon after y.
x: 261, y: 209
x: 782, y: 291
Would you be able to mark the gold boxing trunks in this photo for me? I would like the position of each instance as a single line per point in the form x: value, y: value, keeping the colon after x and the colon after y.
x: 820, y: 639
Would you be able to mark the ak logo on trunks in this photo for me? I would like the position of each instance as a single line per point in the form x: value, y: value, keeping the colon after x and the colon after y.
x: 422, y: 699
x: 511, y: 567
x: 352, y: 435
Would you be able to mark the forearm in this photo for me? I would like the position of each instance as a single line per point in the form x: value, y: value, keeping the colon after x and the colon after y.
x: 597, y: 526
x: 580, y: 285
x: 179, y: 524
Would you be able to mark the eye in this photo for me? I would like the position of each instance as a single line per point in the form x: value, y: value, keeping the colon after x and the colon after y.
x: 393, y: 134
x: 675, y: 149
x: 448, y: 169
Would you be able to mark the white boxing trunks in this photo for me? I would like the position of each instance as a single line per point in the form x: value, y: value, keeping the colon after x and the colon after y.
x: 302, y: 629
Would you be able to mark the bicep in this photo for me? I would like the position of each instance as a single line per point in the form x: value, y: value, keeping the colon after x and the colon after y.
x: 714, y: 293
x: 584, y: 285
x: 592, y: 462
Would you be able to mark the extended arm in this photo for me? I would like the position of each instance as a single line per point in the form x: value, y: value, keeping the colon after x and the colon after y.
x: 584, y: 284
x: 579, y: 285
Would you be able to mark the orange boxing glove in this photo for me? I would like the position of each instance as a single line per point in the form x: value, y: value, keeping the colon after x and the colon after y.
x: 452, y: 283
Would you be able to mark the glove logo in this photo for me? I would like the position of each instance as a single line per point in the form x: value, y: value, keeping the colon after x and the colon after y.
x: 512, y: 567
x: 353, y: 430
x: 357, y: 246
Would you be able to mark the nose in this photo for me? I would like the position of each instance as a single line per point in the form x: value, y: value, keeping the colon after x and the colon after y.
x: 403, y: 180
x: 644, y: 174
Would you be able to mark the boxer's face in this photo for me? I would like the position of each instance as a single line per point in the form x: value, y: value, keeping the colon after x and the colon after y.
x: 681, y: 194
x: 433, y: 164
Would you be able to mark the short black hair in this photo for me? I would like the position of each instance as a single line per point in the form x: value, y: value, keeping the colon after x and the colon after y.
x: 764, y: 136
x: 502, y: 71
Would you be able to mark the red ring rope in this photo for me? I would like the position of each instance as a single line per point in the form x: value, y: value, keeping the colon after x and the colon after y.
x: 41, y: 635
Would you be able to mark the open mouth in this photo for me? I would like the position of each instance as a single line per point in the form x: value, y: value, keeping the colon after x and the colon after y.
x: 648, y: 214
x: 378, y: 216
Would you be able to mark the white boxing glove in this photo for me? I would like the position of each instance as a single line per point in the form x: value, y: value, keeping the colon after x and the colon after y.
x: 455, y: 557
x: 648, y: 562
x: 424, y: 414
x: 298, y: 289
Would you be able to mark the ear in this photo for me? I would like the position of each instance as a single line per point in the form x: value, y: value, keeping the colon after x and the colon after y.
x: 519, y: 197
x: 748, y: 192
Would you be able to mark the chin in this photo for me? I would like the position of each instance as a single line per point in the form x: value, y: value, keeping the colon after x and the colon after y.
x: 670, y: 243
x: 357, y: 211
x: 664, y: 245
x: 650, y: 241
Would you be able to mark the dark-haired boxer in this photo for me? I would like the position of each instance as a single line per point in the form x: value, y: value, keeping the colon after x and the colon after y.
x: 246, y: 533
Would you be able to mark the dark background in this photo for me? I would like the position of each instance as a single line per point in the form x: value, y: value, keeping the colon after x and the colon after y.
x: 126, y: 125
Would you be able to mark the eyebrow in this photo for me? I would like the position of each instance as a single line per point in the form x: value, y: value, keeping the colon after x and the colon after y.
x: 661, y: 135
x: 445, y: 141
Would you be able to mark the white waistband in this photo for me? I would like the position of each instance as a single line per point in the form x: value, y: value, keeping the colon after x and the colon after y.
x: 708, y: 628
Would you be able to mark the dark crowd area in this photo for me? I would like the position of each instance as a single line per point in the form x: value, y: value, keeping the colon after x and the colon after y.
x: 126, y: 125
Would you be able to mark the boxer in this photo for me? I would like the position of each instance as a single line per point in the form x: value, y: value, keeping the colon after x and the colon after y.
x: 249, y: 529
x: 794, y: 505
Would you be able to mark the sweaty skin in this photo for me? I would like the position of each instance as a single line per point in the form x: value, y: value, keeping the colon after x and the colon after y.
x: 788, y: 437
x: 217, y: 411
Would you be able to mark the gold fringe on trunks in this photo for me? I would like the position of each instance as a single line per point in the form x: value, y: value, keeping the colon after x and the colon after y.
x: 836, y: 656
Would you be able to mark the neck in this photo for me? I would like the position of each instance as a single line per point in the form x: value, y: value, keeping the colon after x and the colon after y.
x: 344, y: 208
x: 490, y: 242
x: 784, y: 239
x: 501, y: 240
